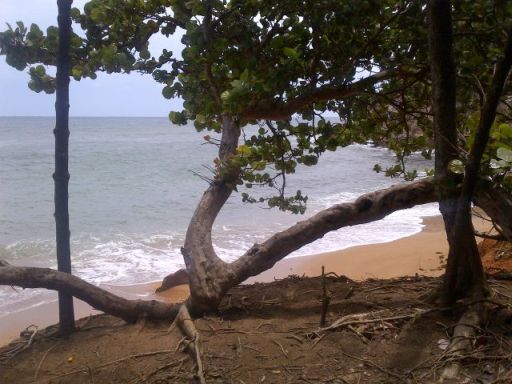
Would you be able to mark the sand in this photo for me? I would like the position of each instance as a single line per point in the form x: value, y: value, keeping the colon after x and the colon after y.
x: 421, y: 254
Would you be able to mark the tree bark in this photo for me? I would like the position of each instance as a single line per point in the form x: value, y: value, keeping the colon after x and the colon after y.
x: 442, y: 68
x: 61, y: 175
x: 205, y: 268
x: 128, y: 310
x: 497, y: 204
x: 463, y: 264
x: 284, y: 110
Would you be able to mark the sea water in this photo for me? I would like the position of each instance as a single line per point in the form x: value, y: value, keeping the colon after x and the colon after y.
x: 134, y: 185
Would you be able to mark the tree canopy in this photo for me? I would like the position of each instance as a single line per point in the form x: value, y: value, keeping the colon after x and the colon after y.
x: 286, y: 67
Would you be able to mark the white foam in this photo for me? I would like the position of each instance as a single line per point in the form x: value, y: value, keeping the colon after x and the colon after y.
x: 128, y: 259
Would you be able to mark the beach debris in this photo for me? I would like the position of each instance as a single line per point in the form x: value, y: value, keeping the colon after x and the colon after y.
x: 26, y: 339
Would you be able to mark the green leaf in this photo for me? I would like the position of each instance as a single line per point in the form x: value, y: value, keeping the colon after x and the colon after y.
x: 504, y: 154
x: 145, y: 54
x: 291, y: 53
x: 456, y: 166
x: 168, y: 92
x: 201, y: 119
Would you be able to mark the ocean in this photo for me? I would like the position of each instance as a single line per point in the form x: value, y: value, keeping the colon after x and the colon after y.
x: 133, y: 188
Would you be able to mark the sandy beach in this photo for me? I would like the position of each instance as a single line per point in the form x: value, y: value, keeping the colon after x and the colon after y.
x: 422, y: 254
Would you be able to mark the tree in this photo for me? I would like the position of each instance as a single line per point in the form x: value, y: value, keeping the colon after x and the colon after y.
x: 61, y: 175
x: 464, y: 272
x: 261, y: 62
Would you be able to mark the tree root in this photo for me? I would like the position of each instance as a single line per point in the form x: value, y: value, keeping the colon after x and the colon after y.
x: 378, y: 317
x: 461, y: 343
x: 17, y: 347
x: 187, y: 327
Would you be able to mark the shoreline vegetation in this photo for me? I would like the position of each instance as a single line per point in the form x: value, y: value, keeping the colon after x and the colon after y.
x: 423, y: 254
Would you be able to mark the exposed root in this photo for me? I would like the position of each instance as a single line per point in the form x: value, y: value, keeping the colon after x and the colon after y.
x: 36, y: 374
x: 382, y: 318
x: 461, y: 343
x: 186, y: 324
x: 16, y: 347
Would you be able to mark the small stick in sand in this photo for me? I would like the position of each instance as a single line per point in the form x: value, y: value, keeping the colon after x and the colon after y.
x: 325, y: 299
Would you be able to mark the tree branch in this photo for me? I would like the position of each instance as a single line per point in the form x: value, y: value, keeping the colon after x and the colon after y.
x: 277, y: 110
x: 367, y: 208
x: 128, y: 310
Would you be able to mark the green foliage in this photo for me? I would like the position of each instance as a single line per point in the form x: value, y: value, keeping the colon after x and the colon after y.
x: 245, y: 56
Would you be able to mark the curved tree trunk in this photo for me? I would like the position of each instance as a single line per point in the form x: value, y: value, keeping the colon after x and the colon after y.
x: 205, y: 268
x: 61, y: 175
x: 367, y: 208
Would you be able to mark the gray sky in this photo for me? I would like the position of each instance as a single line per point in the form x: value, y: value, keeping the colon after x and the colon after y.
x: 108, y: 95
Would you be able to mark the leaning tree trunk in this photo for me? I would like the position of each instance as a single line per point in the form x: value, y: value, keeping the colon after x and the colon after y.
x: 205, y: 268
x: 497, y: 204
x: 61, y: 175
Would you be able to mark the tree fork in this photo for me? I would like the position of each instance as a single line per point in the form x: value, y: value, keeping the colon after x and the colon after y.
x: 367, y: 208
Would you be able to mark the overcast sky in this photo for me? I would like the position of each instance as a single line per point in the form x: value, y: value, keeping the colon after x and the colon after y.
x: 108, y: 95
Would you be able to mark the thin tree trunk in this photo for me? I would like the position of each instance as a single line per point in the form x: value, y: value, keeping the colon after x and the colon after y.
x: 61, y: 175
x: 464, y: 272
x: 442, y: 68
x: 470, y: 277
x: 463, y: 259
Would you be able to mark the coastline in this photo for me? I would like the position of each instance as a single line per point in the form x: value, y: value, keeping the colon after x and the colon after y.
x: 422, y: 253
